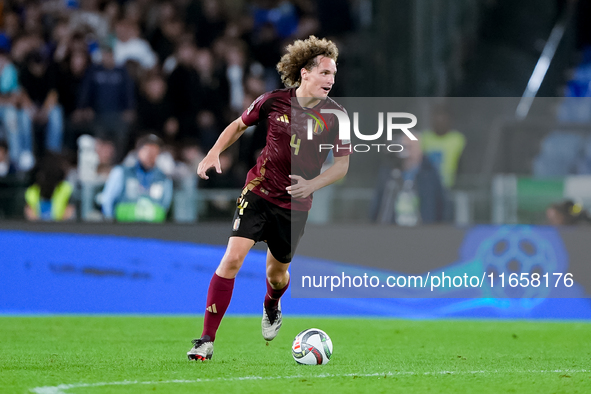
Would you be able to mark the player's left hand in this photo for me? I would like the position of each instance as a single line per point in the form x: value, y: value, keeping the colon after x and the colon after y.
x: 302, y: 189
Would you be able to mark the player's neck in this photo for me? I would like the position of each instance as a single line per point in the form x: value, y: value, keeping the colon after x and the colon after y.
x: 305, y: 99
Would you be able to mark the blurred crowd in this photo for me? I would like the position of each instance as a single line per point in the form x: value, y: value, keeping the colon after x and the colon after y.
x: 87, y: 85
x: 180, y: 70
x: 566, y: 150
x: 414, y: 187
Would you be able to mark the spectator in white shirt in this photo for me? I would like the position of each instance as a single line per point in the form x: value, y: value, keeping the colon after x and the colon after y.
x: 129, y: 46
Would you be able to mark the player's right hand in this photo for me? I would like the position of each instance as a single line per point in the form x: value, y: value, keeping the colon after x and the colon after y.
x: 206, y: 164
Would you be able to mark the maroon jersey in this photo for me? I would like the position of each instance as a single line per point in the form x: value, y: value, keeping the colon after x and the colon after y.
x: 288, y: 151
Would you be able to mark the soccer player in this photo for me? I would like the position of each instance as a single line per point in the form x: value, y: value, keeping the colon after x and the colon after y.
x: 277, y: 196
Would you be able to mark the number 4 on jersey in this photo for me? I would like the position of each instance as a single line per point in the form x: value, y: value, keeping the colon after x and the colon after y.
x: 295, y: 143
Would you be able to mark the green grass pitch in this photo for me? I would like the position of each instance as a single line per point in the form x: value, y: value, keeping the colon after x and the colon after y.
x: 122, y: 354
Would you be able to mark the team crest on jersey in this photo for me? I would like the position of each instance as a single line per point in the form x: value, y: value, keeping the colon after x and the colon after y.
x: 316, y: 124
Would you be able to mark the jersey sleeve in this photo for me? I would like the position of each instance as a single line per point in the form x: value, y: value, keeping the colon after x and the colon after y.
x: 253, y: 114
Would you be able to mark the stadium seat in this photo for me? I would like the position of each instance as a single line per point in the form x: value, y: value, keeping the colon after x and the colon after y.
x: 578, y: 188
x: 558, y: 155
x: 584, y: 161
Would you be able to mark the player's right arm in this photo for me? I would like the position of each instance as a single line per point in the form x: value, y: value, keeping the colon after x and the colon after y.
x: 227, y: 138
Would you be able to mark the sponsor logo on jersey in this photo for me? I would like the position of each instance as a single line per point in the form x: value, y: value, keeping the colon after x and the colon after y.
x: 283, y: 118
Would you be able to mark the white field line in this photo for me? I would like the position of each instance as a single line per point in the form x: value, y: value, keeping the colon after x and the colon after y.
x: 61, y: 389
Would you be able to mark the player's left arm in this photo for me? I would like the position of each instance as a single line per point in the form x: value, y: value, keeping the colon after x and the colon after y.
x: 304, y: 187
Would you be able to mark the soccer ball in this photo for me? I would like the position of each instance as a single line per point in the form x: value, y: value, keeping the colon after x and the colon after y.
x: 312, y: 347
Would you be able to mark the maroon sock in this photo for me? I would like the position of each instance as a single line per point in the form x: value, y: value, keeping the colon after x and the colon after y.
x: 273, y: 295
x: 218, y: 300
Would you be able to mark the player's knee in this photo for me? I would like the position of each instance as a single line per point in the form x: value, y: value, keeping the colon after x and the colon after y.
x: 232, y: 262
x: 274, y: 281
x: 277, y: 278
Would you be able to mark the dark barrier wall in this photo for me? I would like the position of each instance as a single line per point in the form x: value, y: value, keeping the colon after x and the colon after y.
x: 108, y: 268
x: 411, y: 250
x: 420, y: 249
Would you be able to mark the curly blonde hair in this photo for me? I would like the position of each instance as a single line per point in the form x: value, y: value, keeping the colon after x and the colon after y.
x: 302, y: 54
